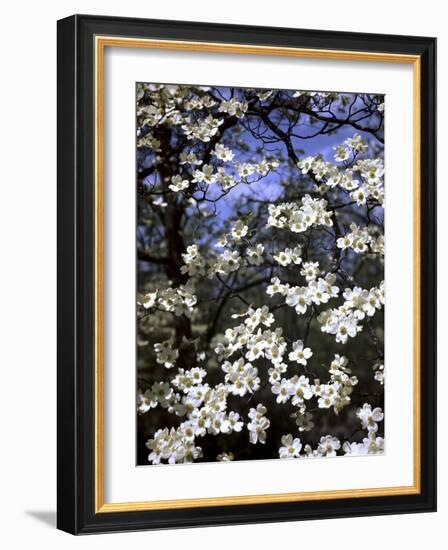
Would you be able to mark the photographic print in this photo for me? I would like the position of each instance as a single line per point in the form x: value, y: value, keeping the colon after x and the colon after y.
x: 222, y: 269
x: 260, y: 274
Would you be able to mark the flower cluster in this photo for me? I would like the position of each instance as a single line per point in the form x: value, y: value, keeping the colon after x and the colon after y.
x: 204, y: 129
x: 288, y: 256
x: 226, y: 263
x: 258, y: 424
x: 362, y: 239
x: 253, y: 341
x: 378, y: 369
x: 166, y: 354
x: 297, y: 388
x: 233, y: 107
x: 351, y: 146
x: 194, y: 263
x: 185, y: 380
x: 317, y: 292
x: 204, y: 175
x: 336, y: 393
x: 180, y: 300
x: 197, y: 103
x: 223, y: 153
x: 363, y: 179
x: 343, y: 321
x: 298, y: 217
x: 241, y: 377
x: 149, y: 141
x: 329, y: 445
x: 174, y: 446
x: 255, y: 255
x: 372, y: 444
x: 262, y: 168
x: 160, y: 393
x: 204, y: 407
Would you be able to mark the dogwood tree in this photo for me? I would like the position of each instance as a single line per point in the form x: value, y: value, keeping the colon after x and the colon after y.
x: 260, y: 248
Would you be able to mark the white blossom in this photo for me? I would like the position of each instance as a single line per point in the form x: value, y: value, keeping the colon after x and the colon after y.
x: 290, y: 448
x: 246, y: 262
x: 223, y: 153
x: 328, y: 445
x: 233, y: 107
x: 258, y: 425
x: 299, y: 353
x: 178, y: 184
x: 166, y: 354
x: 370, y: 418
x: 255, y: 255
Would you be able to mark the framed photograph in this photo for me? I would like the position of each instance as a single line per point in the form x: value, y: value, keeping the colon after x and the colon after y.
x: 246, y: 271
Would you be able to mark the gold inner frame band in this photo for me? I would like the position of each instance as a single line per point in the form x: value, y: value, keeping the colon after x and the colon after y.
x: 101, y: 42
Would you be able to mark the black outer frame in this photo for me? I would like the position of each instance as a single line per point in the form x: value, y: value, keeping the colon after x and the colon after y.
x: 75, y: 427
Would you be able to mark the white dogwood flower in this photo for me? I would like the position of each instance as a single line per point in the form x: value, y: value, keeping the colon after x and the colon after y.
x: 370, y: 418
x: 166, y: 353
x: 223, y: 153
x: 290, y: 448
x: 299, y: 353
x: 178, y: 184
x: 328, y: 445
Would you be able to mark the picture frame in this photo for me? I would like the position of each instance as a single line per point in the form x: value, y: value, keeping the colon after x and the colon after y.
x: 82, y: 41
